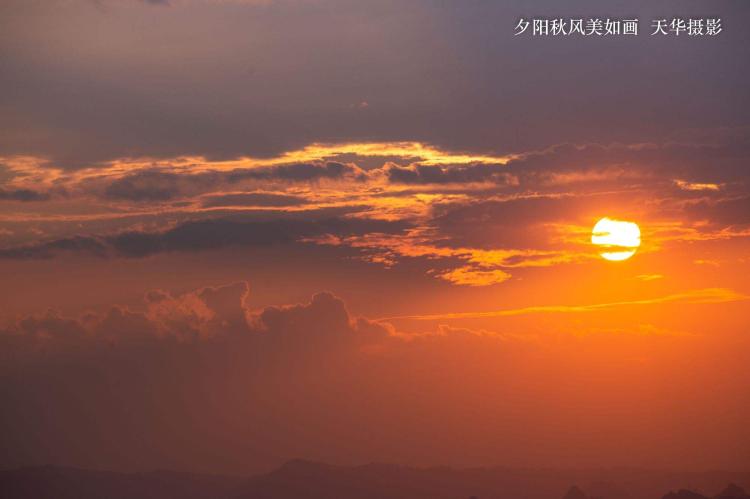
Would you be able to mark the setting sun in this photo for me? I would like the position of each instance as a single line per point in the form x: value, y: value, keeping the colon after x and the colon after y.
x: 618, y: 240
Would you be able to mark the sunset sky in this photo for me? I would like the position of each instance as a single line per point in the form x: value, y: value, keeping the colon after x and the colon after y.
x: 238, y: 232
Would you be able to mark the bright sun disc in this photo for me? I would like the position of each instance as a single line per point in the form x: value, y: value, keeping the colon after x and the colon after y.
x: 617, y: 240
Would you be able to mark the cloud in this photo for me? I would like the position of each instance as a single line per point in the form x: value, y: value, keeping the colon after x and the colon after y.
x: 24, y: 195
x: 692, y: 186
x: 130, y: 386
x: 144, y: 186
x: 200, y: 235
x: 478, y: 266
x: 205, y: 314
x: 301, y: 172
x: 708, y: 295
x: 252, y: 199
x: 221, y: 109
x: 723, y: 211
x: 166, y: 183
x: 76, y: 244
x: 649, y: 277
x: 461, y: 174
x: 472, y: 276
x: 477, y: 219
x: 226, y: 304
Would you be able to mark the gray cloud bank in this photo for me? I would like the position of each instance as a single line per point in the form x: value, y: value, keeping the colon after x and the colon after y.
x: 86, y: 83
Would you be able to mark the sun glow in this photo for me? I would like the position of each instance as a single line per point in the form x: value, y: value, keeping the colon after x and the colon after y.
x: 618, y: 240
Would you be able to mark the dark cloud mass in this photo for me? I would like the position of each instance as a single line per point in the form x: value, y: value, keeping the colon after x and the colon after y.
x: 208, y: 333
x: 155, y: 185
x: 433, y: 174
x: 201, y: 235
x: 722, y: 212
x: 253, y: 199
x: 144, y: 186
x: 299, y: 172
x: 25, y: 195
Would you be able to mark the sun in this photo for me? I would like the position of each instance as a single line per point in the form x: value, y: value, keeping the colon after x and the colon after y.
x: 618, y: 240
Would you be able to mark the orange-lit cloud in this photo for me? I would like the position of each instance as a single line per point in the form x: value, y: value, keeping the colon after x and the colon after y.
x: 696, y: 186
x: 471, y: 276
x: 709, y: 295
x: 473, y: 218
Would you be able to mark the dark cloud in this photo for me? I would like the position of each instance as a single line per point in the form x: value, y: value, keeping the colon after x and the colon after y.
x: 195, y: 315
x: 226, y: 304
x: 514, y: 223
x: 77, y: 244
x: 300, y: 172
x: 24, y: 195
x: 201, y: 235
x: 721, y: 212
x: 718, y: 158
x: 715, y: 156
x: 144, y: 186
x: 433, y: 174
x: 184, y: 345
x: 155, y: 185
x: 318, y: 324
x: 208, y: 316
x: 252, y: 199
x: 522, y: 211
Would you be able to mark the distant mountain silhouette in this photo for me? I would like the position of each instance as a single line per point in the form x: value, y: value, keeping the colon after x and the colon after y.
x: 732, y: 491
x: 301, y: 479
x: 310, y: 480
x: 52, y: 482
x: 575, y: 493
x: 608, y: 490
x: 684, y: 494
x: 305, y: 479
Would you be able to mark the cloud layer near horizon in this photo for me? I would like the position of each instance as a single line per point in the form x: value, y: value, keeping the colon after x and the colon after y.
x: 199, y: 380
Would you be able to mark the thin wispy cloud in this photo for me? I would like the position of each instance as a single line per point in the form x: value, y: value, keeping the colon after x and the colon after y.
x: 698, y: 296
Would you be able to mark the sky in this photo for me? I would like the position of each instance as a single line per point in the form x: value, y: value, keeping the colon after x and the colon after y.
x: 234, y: 233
